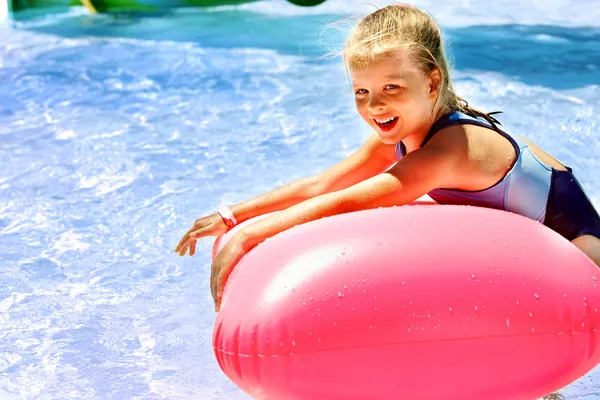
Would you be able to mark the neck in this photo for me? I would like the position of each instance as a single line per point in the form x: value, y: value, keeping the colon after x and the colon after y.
x: 413, y: 142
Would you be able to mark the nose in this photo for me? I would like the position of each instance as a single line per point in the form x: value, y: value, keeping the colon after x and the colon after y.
x: 376, y: 104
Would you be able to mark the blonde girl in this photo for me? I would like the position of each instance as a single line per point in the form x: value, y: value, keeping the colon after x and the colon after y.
x: 426, y: 140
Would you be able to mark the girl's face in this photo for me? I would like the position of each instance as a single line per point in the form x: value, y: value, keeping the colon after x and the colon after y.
x: 395, y: 97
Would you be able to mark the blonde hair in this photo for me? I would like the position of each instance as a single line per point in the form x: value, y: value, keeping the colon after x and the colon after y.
x: 404, y: 27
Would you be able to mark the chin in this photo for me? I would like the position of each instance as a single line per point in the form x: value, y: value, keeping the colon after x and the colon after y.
x: 388, y: 137
x: 387, y: 140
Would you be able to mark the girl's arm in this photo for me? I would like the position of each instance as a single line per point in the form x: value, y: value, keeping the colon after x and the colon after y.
x: 432, y: 166
x: 370, y: 159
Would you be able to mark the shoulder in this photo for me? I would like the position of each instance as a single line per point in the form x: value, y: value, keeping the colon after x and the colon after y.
x: 374, y: 147
x: 442, y: 160
x: 436, y: 163
x: 455, y: 137
x: 451, y: 143
x: 466, y: 141
x: 479, y: 155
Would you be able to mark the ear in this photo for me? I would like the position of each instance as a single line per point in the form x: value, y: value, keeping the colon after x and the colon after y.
x: 435, y: 80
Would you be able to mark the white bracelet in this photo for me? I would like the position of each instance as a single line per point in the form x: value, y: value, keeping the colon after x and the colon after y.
x: 227, y: 216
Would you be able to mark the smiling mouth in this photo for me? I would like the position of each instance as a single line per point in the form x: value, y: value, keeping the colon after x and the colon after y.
x: 386, y: 124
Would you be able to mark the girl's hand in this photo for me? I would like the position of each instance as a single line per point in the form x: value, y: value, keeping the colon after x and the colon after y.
x: 223, y: 264
x: 416, y: 174
x: 212, y: 225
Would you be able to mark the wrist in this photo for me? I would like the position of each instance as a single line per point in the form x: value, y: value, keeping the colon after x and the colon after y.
x: 245, y: 240
x: 227, y: 216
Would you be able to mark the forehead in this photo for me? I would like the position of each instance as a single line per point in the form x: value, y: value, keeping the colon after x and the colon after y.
x: 391, y: 66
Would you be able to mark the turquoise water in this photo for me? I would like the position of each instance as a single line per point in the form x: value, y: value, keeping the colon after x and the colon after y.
x: 116, y: 132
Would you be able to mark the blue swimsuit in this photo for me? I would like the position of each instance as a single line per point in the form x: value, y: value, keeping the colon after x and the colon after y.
x: 530, y: 188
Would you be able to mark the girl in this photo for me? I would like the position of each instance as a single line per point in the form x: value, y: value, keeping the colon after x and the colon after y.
x: 427, y: 140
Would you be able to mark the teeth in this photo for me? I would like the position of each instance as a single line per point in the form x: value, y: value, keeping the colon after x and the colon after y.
x: 383, y: 121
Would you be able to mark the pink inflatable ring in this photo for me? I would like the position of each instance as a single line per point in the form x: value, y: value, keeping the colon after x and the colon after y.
x: 422, y: 302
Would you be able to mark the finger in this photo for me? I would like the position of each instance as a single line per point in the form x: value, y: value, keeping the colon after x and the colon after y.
x: 198, y: 233
x: 184, y: 239
x: 217, y: 297
x: 220, y: 283
x: 186, y: 246
x: 212, y: 280
x: 184, y: 249
x: 193, y: 248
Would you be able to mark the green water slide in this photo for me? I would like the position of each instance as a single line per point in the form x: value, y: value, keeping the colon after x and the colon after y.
x: 134, y: 5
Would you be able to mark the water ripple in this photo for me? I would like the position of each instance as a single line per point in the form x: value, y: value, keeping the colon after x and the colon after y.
x: 111, y: 146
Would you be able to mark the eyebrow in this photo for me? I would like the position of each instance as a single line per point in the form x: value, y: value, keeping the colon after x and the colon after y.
x: 387, y: 77
x: 394, y: 77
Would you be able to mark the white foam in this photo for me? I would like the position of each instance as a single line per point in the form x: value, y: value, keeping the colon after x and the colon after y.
x: 457, y: 13
x: 3, y: 10
x: 570, y: 13
x: 50, y: 19
x: 69, y: 241
x: 134, y: 301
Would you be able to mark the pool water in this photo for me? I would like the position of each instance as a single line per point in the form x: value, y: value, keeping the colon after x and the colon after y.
x: 117, y: 132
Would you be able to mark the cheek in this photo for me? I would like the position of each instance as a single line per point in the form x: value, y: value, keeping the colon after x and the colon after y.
x: 361, y: 107
x: 420, y: 105
x: 425, y: 96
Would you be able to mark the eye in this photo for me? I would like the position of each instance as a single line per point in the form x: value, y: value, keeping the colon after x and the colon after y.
x: 391, y: 87
x: 360, y: 91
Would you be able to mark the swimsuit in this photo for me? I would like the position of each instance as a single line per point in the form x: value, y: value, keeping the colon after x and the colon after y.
x: 530, y: 188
